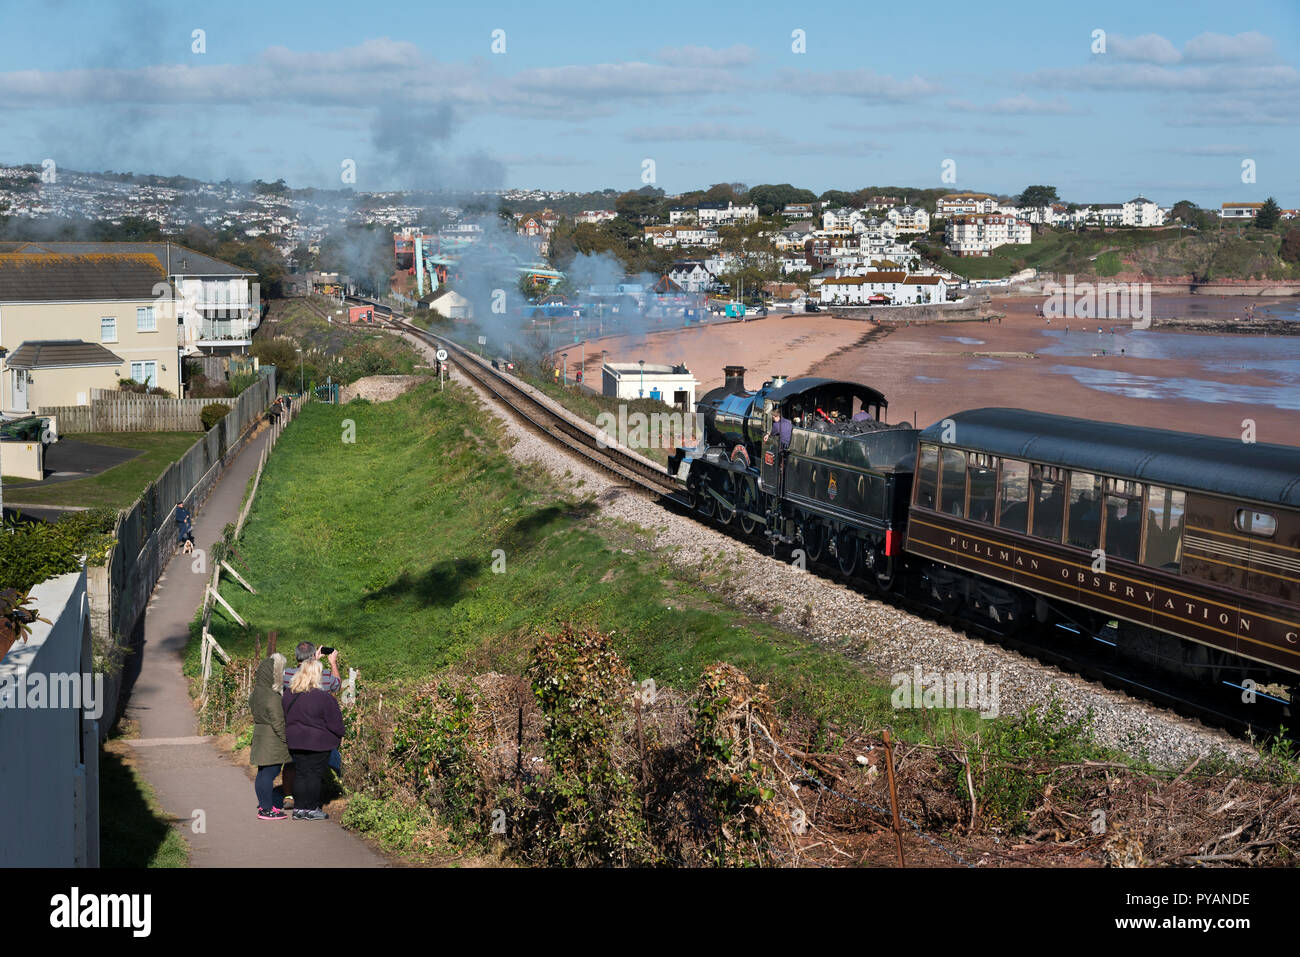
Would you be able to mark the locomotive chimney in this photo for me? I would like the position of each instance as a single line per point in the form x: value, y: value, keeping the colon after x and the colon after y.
x: 735, y: 378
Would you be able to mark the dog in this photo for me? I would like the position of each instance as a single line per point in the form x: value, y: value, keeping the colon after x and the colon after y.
x: 188, y: 546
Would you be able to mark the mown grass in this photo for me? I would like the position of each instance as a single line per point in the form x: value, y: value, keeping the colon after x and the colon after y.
x: 422, y: 547
x: 119, y: 486
x: 133, y: 830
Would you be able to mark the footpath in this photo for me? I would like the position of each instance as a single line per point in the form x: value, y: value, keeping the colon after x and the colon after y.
x: 186, y: 770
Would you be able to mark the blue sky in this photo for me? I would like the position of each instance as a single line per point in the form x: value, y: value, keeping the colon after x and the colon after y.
x: 585, y: 93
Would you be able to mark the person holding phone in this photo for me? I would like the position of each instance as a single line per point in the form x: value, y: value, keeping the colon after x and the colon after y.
x: 331, y: 682
x: 313, y: 727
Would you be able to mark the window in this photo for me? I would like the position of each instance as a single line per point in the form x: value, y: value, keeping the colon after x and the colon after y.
x: 146, y: 372
x: 1013, y: 496
x: 145, y: 320
x: 983, y: 487
x: 1164, y: 528
x: 1048, y: 493
x: 1123, y: 506
x: 1084, y: 529
x: 108, y: 329
x: 927, y: 476
x: 952, y: 487
x: 1256, y: 523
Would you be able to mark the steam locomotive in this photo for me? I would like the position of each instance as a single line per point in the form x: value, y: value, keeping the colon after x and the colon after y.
x: 1180, y: 550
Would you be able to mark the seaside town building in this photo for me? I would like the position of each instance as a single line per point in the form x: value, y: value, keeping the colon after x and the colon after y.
x: 979, y: 235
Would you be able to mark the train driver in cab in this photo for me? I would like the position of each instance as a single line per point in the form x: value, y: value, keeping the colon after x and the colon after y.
x: 781, y: 428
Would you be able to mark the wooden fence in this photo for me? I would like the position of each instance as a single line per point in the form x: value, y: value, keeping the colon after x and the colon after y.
x: 128, y: 412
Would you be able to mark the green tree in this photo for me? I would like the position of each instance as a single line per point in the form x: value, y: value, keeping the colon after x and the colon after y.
x: 1290, y: 250
x: 1268, y: 215
x: 771, y: 199
x: 1038, y: 196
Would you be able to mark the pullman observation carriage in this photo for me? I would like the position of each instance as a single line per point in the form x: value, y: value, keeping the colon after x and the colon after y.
x: 1179, y: 547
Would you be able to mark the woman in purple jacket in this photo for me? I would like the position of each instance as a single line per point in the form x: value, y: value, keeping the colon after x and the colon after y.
x: 313, y: 726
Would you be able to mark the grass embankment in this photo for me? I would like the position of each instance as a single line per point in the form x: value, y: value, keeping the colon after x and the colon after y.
x: 133, y: 830
x: 117, y: 487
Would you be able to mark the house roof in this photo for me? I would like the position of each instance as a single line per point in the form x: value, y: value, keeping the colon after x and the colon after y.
x: 180, y: 260
x: 92, y: 277
x: 48, y: 353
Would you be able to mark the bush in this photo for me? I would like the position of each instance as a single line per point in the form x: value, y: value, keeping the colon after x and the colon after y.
x: 31, y: 553
x: 212, y: 413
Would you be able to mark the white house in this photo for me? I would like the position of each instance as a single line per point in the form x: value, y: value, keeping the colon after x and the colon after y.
x: 797, y: 211
x: 715, y: 214
x: 960, y: 203
x: 900, y: 287
x: 692, y: 275
x: 1140, y: 211
x: 1240, y: 210
x: 909, y: 219
x: 841, y: 220
x: 979, y: 235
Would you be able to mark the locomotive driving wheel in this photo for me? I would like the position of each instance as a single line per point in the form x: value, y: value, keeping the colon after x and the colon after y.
x: 704, y: 503
x: 814, y: 539
x: 847, y: 552
x: 747, y: 501
x: 725, y: 486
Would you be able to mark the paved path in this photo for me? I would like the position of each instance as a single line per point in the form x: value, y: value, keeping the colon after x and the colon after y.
x: 187, y: 771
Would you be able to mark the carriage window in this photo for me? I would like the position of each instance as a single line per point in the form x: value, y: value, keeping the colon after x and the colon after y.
x: 952, y: 488
x: 1013, y: 496
x: 927, y: 476
x: 1048, y: 492
x: 1123, y: 519
x: 1164, y: 528
x: 1085, y: 510
x: 983, y: 487
x: 1256, y: 523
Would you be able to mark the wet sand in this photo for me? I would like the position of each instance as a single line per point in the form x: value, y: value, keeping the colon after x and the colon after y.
x: 927, y: 373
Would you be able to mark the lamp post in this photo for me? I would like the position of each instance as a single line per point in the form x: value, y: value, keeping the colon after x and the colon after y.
x: 565, y: 356
x: 641, y: 393
x: 301, y: 389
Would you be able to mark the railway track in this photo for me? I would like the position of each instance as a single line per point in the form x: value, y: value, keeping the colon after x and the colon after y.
x: 642, y: 476
x: 1041, y: 643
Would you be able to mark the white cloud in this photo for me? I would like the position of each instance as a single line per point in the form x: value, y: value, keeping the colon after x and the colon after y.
x: 1148, y: 48
x: 737, y: 55
x: 1021, y: 105
x: 859, y: 83
x: 1219, y: 47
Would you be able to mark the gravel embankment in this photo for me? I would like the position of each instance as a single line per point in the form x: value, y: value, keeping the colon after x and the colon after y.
x: 876, y: 635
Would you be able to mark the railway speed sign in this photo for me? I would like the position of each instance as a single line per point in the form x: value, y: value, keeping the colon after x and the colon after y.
x: 441, y: 355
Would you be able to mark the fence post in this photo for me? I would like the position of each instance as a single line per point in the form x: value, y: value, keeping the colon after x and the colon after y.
x: 893, y: 796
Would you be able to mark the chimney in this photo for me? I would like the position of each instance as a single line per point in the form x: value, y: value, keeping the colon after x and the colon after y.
x: 735, y: 378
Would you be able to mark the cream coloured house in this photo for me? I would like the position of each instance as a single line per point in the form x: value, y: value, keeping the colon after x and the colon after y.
x: 71, y: 323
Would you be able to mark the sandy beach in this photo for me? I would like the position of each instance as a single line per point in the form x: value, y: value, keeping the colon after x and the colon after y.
x: 1183, y: 381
